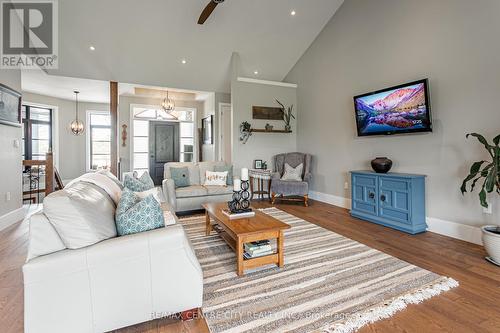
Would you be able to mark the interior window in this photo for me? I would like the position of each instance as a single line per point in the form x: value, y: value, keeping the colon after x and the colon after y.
x: 37, y: 132
x: 99, y: 134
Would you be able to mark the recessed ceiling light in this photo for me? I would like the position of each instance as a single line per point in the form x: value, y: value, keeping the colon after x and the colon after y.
x: 256, y: 72
x: 184, y: 61
x: 293, y: 13
x: 92, y: 48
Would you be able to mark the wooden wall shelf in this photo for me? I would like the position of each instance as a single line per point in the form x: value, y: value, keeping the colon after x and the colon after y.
x: 257, y: 130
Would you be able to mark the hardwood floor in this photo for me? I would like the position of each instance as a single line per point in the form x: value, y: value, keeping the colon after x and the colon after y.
x: 472, y: 307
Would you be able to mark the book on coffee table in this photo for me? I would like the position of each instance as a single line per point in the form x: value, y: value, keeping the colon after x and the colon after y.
x: 233, y: 216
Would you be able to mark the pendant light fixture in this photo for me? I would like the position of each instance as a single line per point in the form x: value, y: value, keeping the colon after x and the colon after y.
x: 168, y: 104
x: 77, y: 127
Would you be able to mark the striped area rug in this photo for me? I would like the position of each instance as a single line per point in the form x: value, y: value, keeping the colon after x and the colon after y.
x: 330, y: 283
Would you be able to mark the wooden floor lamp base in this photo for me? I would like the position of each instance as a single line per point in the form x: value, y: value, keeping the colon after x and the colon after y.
x: 304, y: 198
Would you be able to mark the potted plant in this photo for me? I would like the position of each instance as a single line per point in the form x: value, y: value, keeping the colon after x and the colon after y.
x: 287, y: 115
x: 488, y: 174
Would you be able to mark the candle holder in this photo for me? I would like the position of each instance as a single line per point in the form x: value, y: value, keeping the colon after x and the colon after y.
x: 241, y: 199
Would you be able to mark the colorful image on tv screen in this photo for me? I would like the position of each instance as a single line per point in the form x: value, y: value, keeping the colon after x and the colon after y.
x: 402, y: 109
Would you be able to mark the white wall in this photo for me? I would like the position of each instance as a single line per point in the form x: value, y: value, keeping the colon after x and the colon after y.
x: 262, y: 146
x: 70, y: 150
x: 370, y: 45
x: 10, y: 160
x: 208, y: 150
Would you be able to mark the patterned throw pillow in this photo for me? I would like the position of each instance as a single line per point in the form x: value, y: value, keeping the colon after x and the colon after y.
x: 229, y: 169
x: 147, y: 180
x: 134, y: 215
x: 142, y: 184
x: 215, y: 178
x: 180, y: 176
x: 293, y: 173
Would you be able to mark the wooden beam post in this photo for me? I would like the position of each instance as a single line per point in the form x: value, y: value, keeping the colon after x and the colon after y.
x: 113, y: 109
x: 49, y: 173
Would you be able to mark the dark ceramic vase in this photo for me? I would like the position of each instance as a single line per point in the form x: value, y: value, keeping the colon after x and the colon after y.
x: 381, y: 164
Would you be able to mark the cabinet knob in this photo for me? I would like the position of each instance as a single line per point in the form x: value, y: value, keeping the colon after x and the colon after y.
x: 371, y: 195
x: 382, y: 197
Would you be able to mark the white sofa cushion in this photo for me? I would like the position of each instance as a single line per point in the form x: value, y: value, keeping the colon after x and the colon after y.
x: 82, y: 214
x: 219, y: 190
x: 43, y: 238
x: 191, y: 191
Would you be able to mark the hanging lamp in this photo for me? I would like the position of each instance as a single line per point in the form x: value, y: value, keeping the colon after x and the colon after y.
x: 77, y: 127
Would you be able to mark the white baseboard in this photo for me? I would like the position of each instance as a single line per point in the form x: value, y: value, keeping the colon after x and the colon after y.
x: 330, y: 199
x: 12, y: 217
x: 456, y: 230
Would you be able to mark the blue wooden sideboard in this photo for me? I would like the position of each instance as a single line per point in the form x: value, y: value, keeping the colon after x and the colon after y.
x: 395, y: 200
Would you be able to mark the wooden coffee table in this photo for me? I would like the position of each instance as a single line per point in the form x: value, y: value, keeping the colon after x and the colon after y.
x: 237, y: 232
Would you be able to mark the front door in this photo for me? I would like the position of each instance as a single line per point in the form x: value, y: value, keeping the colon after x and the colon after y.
x: 163, y: 147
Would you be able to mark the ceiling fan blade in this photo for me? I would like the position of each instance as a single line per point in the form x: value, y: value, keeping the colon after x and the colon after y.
x: 207, y: 11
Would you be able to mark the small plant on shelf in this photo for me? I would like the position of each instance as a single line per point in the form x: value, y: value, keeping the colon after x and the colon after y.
x: 287, y: 115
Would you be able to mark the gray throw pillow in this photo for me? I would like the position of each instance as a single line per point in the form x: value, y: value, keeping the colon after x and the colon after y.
x: 229, y: 169
x: 180, y: 176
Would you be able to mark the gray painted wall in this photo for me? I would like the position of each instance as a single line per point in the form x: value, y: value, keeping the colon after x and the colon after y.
x: 10, y: 156
x: 211, y: 107
x: 260, y: 145
x: 72, y: 149
x: 370, y: 45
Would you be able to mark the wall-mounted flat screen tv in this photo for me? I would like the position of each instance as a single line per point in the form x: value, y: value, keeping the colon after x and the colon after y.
x: 400, y: 109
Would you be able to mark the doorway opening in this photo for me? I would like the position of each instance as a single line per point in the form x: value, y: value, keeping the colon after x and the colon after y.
x: 159, y: 137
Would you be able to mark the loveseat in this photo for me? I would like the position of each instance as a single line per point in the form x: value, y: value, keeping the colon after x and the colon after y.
x: 114, y: 283
x: 191, y: 197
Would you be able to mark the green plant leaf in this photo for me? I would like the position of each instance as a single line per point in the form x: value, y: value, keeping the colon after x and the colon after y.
x: 474, y: 171
x: 482, y: 198
x: 491, y: 179
x: 476, y: 166
x: 496, y: 140
x: 481, y: 139
x: 474, y: 183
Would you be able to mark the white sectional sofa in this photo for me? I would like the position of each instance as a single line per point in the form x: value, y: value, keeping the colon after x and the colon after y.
x: 193, y: 196
x: 115, y: 283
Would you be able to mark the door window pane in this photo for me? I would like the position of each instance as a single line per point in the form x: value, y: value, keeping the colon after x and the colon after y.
x: 141, y: 160
x: 141, y: 128
x: 187, y: 130
x: 141, y: 145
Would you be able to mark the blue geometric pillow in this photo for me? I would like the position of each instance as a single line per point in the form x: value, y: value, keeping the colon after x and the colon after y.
x: 142, y: 184
x: 147, y: 180
x: 134, y: 215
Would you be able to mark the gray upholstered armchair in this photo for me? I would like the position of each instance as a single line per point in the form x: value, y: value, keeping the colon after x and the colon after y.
x: 291, y: 189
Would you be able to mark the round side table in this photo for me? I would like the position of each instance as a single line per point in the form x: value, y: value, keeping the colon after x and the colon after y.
x: 260, y: 176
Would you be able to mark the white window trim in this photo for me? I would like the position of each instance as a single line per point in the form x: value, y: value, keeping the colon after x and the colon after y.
x: 88, y: 136
x: 147, y: 106
x: 55, y: 129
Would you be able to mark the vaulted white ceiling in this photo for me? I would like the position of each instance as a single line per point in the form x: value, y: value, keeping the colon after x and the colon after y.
x: 144, y: 42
